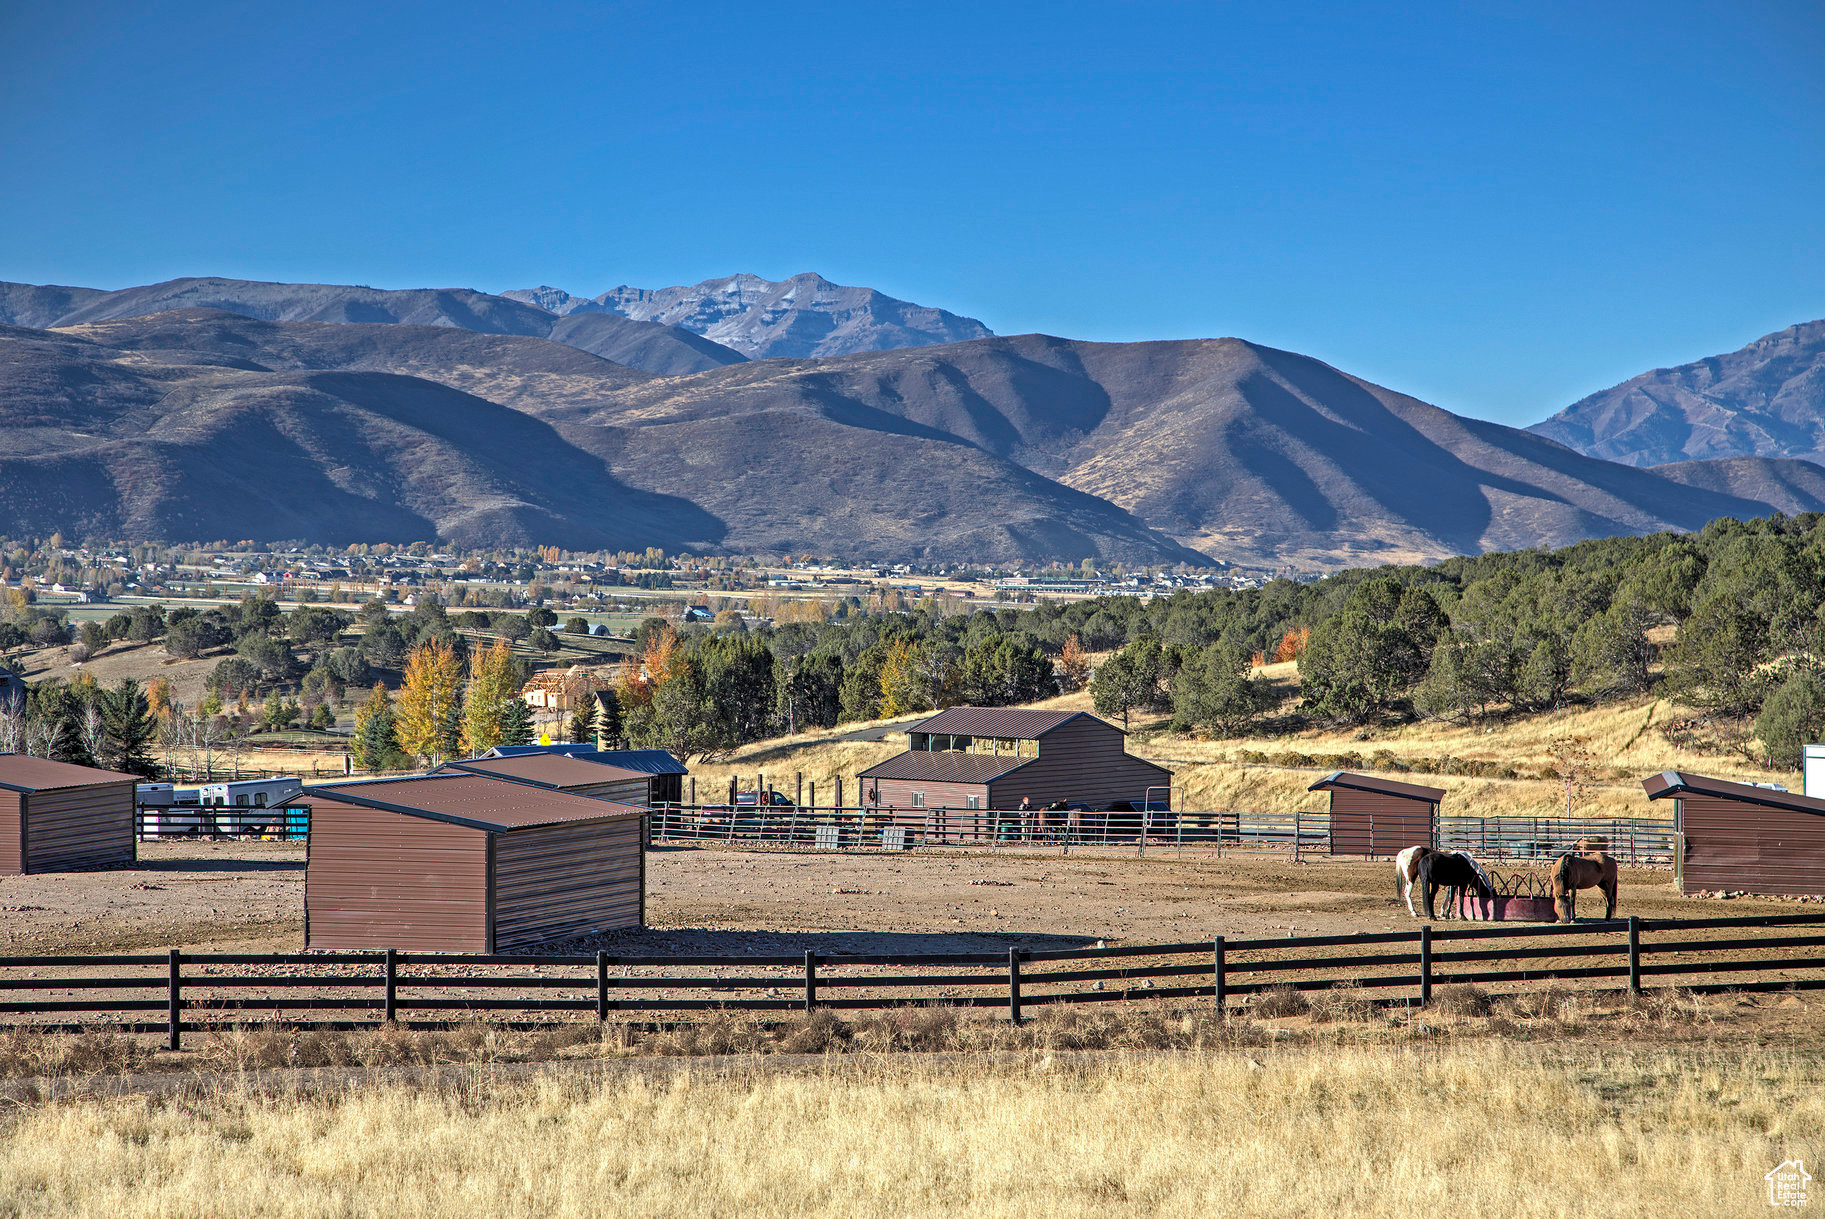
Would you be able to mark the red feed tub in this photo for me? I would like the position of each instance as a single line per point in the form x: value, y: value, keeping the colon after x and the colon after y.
x: 1507, y: 908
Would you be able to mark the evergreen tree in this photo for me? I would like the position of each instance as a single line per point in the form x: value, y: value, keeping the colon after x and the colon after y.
x: 375, y: 747
x: 1792, y: 716
x: 516, y: 723
x: 583, y: 722
x: 130, y: 728
x: 611, y: 728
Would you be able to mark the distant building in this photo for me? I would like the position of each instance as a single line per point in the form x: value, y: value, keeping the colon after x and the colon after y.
x: 994, y: 757
x: 698, y: 613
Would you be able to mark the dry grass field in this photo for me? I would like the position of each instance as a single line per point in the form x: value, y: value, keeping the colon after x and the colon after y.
x: 1623, y: 743
x: 1475, y: 1128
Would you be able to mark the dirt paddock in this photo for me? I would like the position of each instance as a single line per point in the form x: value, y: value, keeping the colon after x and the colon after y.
x: 249, y: 896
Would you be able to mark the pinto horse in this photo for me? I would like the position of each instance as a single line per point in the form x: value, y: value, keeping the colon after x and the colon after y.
x: 1574, y: 872
x: 1453, y: 870
x: 1406, y: 871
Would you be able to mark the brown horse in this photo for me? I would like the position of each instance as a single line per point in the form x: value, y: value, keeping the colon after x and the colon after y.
x: 1574, y: 872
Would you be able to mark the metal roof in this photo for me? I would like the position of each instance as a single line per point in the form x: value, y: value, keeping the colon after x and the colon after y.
x: 556, y: 770
x: 920, y: 766
x: 21, y: 772
x: 1387, y: 787
x: 483, y: 802
x: 1678, y: 783
x: 648, y: 761
x: 1010, y: 723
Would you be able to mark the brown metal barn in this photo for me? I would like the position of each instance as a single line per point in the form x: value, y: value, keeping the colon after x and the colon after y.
x: 560, y: 772
x: 468, y: 863
x: 1737, y: 836
x: 665, y: 773
x: 1372, y: 816
x: 55, y: 817
x: 992, y: 757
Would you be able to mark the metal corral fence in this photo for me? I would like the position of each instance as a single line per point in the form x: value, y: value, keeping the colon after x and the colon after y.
x: 176, y: 993
x: 1631, y: 840
x: 153, y: 822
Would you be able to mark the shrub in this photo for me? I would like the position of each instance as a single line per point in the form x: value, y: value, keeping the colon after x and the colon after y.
x: 1281, y: 1001
x: 1461, y: 999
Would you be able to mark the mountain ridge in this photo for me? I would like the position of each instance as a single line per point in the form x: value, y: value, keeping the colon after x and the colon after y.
x: 804, y: 316
x: 1765, y: 399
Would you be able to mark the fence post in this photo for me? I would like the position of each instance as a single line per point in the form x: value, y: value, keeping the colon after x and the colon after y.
x: 1014, y: 985
x: 1295, y: 835
x: 810, y: 980
x: 1220, y: 972
x: 1425, y: 965
x: 174, y: 1005
x: 392, y: 997
x: 1634, y: 955
x: 601, y: 987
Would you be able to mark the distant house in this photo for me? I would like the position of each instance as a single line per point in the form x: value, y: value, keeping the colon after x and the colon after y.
x: 994, y: 757
x: 698, y: 613
x: 555, y: 690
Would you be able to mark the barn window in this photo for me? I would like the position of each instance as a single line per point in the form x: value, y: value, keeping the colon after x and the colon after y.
x: 259, y: 799
x: 240, y: 801
x: 974, y: 801
x: 918, y: 799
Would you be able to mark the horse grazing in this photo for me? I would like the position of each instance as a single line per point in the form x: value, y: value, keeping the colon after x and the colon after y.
x: 1453, y: 870
x: 1406, y: 871
x: 1574, y: 872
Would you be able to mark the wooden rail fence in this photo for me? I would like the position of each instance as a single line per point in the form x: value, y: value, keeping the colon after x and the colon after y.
x: 192, y: 992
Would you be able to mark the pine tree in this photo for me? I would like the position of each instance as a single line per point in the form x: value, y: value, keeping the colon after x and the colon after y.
x: 611, y: 727
x: 374, y: 744
x: 130, y: 728
x: 430, y: 702
x: 583, y: 721
x: 516, y: 723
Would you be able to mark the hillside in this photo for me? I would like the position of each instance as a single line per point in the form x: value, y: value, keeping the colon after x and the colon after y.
x: 1764, y: 400
x: 1240, y: 451
x: 804, y: 316
x: 998, y: 449
x: 200, y: 424
x: 652, y: 347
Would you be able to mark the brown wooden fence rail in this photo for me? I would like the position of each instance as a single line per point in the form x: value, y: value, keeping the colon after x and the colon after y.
x: 175, y: 993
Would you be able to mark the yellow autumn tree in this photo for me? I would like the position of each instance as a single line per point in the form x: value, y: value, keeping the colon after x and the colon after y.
x: 491, y: 688
x: 158, y: 698
x: 902, y: 689
x: 430, y: 702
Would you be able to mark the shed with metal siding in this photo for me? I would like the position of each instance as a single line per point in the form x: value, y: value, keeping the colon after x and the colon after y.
x: 464, y: 862
x: 1737, y: 836
x: 560, y: 772
x: 55, y: 817
x: 1379, y: 817
x: 665, y: 773
x: 997, y: 756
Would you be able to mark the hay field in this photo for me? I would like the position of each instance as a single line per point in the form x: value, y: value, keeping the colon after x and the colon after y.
x: 1487, y: 1128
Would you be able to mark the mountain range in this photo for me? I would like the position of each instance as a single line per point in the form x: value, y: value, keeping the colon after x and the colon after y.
x: 1765, y: 400
x: 466, y: 417
x: 805, y: 316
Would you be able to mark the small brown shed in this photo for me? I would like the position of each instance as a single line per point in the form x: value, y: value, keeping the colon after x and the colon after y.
x: 1738, y: 836
x: 1371, y: 816
x: 55, y: 817
x: 468, y: 863
x: 560, y: 772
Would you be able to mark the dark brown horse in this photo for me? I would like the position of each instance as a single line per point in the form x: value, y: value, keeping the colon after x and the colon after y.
x: 1574, y: 872
x: 1455, y: 871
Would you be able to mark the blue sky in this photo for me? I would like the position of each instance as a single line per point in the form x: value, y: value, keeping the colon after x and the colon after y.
x: 1498, y: 207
